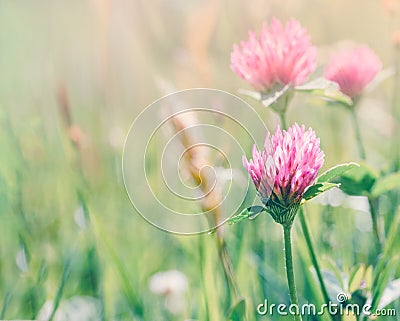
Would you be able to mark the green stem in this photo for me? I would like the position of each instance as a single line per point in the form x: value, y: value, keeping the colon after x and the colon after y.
x: 361, y: 149
x: 289, y: 268
x: 375, y: 225
x: 282, y: 116
x: 356, y: 125
x: 203, y: 276
x: 57, y: 300
x: 288, y: 242
x: 395, y: 112
x: 7, y: 299
x: 387, y: 249
x: 226, y: 262
x: 228, y: 269
x: 314, y: 260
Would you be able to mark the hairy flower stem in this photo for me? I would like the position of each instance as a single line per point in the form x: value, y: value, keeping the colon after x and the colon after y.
x: 288, y: 243
x: 282, y: 116
x: 289, y: 267
x: 357, y: 130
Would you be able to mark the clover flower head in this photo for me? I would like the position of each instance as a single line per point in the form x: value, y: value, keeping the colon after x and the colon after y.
x: 286, y: 166
x: 353, y: 69
x: 280, y: 55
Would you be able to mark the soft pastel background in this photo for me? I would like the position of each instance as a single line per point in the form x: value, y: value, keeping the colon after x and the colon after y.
x: 67, y: 227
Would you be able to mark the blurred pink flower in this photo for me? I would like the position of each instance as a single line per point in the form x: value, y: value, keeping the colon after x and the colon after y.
x: 287, y: 165
x: 353, y: 69
x: 281, y: 55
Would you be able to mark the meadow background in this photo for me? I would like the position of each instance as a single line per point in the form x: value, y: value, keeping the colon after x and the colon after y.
x: 75, y: 74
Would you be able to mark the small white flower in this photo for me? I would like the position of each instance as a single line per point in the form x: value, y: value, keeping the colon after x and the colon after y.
x: 77, y: 308
x: 172, y: 285
x: 79, y: 218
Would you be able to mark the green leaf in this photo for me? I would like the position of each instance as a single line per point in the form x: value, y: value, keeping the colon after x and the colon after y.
x: 336, y: 171
x: 273, y: 97
x: 320, y: 83
x: 326, y: 89
x: 238, y: 311
x: 390, y: 294
x: 318, y: 188
x: 337, y: 97
x: 386, y: 184
x: 356, y: 277
x: 251, y: 213
x: 383, y: 281
x: 269, y: 98
x: 358, y: 181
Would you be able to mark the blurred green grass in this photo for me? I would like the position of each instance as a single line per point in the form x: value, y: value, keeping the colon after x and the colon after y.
x: 111, y: 57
